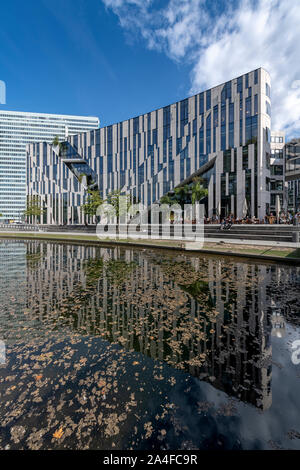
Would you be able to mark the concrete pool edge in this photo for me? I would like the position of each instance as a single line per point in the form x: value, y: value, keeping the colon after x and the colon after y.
x: 93, y: 240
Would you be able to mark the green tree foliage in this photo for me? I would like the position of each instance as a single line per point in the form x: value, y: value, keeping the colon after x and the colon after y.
x: 55, y: 141
x: 92, y: 203
x: 166, y: 199
x: 120, y: 202
x: 198, y: 191
x: 185, y: 194
x: 34, y: 208
x: 181, y: 194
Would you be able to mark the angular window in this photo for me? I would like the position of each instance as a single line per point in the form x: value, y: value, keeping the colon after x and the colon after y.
x: 248, y: 107
x: 276, y: 170
x: 240, y: 85
x: 178, y: 145
x: 154, y: 136
x: 208, y: 134
x: 231, y: 134
x: 228, y: 91
x: 184, y: 111
x: 201, y: 140
x: 276, y: 186
x: 208, y: 100
x: 254, y: 127
x: 256, y: 104
x: 248, y: 130
x: 223, y: 114
x: 215, y: 125
x: 203, y: 159
x: 223, y: 95
x: 194, y: 126
x: 245, y: 158
x: 247, y: 80
x: 231, y: 112
x: 184, y: 115
x: 227, y: 161
x: 167, y: 115
x: 201, y: 103
x: 136, y: 125
x: 216, y: 116
x: 223, y: 137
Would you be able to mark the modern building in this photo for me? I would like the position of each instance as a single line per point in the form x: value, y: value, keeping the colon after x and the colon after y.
x: 17, y: 129
x: 222, y: 134
x: 292, y: 174
x: 277, y: 170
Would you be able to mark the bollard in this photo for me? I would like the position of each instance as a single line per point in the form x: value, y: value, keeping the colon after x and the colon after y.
x: 296, y: 236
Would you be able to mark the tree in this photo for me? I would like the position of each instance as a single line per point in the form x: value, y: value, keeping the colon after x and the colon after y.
x: 34, y: 208
x: 113, y: 199
x: 181, y: 194
x: 56, y: 142
x: 166, y: 199
x: 94, y: 200
x: 198, y: 191
x: 59, y: 147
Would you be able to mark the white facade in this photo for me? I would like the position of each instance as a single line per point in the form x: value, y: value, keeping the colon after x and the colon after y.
x: 17, y: 129
x: 277, y: 170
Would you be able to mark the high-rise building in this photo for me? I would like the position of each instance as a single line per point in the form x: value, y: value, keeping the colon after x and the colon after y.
x: 17, y: 129
x: 292, y: 173
x: 277, y: 170
x: 222, y: 135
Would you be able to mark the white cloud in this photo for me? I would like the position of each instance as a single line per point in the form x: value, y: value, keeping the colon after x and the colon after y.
x: 247, y: 35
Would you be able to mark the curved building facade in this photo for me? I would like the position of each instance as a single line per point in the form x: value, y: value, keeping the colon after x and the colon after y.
x: 222, y: 135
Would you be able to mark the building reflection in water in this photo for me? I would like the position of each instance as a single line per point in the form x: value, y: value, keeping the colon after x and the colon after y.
x: 210, y: 316
x: 13, y: 271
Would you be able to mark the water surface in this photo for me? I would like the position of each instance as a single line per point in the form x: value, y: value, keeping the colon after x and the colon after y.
x: 115, y: 348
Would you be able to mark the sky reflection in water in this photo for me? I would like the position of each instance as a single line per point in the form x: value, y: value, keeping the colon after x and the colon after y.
x: 121, y: 348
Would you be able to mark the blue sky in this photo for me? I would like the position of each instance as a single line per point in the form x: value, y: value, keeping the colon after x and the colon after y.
x: 73, y: 57
x: 116, y: 59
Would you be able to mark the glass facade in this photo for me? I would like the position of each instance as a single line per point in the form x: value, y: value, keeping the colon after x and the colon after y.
x: 292, y: 169
x: 151, y: 154
x: 17, y: 129
x: 277, y: 170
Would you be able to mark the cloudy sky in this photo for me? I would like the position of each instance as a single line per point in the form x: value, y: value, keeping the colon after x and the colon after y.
x: 223, y: 39
x: 119, y: 58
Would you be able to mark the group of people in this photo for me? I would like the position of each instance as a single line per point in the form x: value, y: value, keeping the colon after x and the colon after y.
x: 227, y: 222
x: 283, y: 218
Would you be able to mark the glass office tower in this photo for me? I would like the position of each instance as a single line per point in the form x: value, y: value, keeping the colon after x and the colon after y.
x: 222, y: 134
x: 17, y: 129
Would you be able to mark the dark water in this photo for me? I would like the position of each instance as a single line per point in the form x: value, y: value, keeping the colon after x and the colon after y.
x: 114, y: 348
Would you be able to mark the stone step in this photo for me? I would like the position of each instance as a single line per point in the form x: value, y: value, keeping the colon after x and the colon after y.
x: 249, y: 237
x: 256, y: 233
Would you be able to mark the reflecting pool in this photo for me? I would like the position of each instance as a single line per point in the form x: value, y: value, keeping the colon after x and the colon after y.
x: 118, y: 348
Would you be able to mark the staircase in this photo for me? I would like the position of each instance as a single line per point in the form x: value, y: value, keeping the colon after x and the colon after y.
x: 266, y: 233
x: 278, y: 233
x: 69, y: 228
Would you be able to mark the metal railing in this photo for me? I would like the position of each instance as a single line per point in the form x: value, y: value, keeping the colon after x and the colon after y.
x: 19, y: 228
